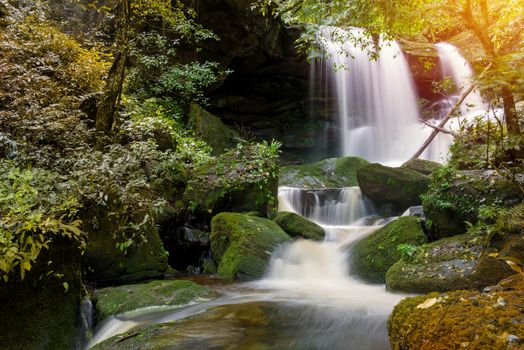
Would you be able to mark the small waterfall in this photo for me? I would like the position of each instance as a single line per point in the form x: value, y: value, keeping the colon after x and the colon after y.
x: 376, y: 99
x: 337, y: 206
x: 454, y: 66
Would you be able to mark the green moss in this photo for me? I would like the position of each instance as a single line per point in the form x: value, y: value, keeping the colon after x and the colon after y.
x: 461, y: 319
x: 425, y: 167
x: 115, y: 300
x: 399, y: 187
x: 375, y: 254
x: 328, y: 173
x: 459, y: 262
x: 211, y: 129
x: 242, y: 244
x: 297, y: 226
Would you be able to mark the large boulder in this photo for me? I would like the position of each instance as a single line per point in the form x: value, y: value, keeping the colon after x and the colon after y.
x: 239, y: 180
x: 298, y: 226
x: 115, y: 300
x: 461, y: 319
x: 453, y: 263
x: 107, y: 264
x: 211, y: 129
x: 455, y: 197
x: 42, y: 310
x: 242, y: 244
x: 327, y: 173
x: 392, y: 189
x: 372, y: 257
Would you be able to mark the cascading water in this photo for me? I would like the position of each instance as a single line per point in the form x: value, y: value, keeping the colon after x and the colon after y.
x: 454, y: 66
x: 376, y: 99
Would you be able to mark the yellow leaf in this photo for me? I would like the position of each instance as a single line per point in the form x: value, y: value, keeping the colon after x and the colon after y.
x: 493, y: 255
x: 427, y: 304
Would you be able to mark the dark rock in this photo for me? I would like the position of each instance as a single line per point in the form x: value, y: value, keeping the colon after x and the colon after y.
x: 459, y: 262
x: 372, y: 257
x: 398, y: 188
x: 187, y: 247
x: 242, y: 244
x: 298, y: 226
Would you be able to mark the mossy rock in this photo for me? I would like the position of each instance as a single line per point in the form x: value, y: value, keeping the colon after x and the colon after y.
x: 114, y: 300
x: 393, y: 188
x: 233, y: 182
x: 454, y: 197
x: 242, y: 244
x: 453, y: 263
x: 298, y: 226
x: 42, y: 311
x: 374, y: 255
x: 107, y: 264
x: 327, y: 173
x: 425, y: 167
x: 461, y: 319
x: 211, y: 129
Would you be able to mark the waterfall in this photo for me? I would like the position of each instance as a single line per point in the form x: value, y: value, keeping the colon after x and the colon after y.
x: 336, y: 206
x: 376, y: 99
x: 454, y: 66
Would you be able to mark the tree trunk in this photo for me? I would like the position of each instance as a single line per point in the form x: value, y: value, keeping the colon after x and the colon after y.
x: 115, y: 77
x: 510, y: 112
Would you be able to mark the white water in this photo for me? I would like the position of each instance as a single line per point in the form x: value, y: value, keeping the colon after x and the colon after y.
x: 377, y: 101
x: 341, y: 206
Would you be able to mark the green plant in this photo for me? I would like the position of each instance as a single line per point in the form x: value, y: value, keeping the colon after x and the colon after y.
x: 408, y: 251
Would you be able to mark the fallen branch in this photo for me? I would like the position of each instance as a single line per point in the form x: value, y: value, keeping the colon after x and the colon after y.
x: 448, y: 116
x: 442, y: 130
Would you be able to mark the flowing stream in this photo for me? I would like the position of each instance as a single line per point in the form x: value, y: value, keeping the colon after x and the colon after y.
x: 308, y: 298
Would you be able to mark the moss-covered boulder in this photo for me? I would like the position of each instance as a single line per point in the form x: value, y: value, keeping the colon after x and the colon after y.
x: 453, y: 263
x: 455, y: 197
x: 393, y: 189
x: 211, y: 129
x: 327, y: 173
x: 114, y: 300
x: 425, y: 167
x: 42, y: 310
x: 460, y: 320
x: 242, y: 244
x: 240, y: 180
x: 372, y: 257
x: 298, y: 226
x: 108, y: 264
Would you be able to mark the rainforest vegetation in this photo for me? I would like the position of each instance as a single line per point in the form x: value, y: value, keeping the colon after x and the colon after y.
x: 144, y: 139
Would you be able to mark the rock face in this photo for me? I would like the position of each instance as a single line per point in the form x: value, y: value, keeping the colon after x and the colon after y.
x: 374, y: 255
x: 299, y: 227
x: 453, y: 263
x: 42, y: 311
x: 242, y: 244
x: 392, y: 189
x: 114, y: 300
x: 108, y: 264
x: 456, y: 196
x: 211, y: 129
x: 189, y: 248
x: 327, y: 173
x: 461, y: 319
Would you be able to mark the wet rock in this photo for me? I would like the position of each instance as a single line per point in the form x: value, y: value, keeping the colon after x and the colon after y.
x: 115, y: 300
x: 459, y: 262
x: 416, y: 211
x: 299, y: 227
x: 328, y: 173
x: 374, y: 255
x: 461, y: 319
x: 242, y: 244
x: 392, y: 188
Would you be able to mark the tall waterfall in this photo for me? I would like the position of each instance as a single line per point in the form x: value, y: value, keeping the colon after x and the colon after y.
x: 376, y: 99
x: 455, y: 66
